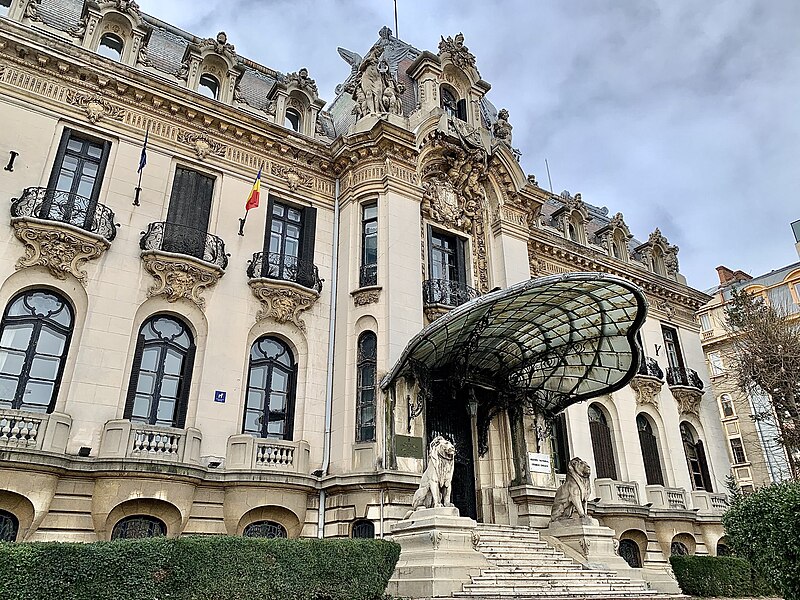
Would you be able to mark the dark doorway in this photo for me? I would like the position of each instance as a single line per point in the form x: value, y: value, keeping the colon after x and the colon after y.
x: 447, y: 416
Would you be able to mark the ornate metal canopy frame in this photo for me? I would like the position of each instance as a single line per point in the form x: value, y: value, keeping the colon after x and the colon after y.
x: 542, y: 344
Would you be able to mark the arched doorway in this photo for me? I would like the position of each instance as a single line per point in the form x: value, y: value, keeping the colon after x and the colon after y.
x: 650, y: 456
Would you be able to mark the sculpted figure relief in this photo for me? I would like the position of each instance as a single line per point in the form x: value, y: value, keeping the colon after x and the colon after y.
x: 373, y: 87
x: 573, y: 494
x: 435, y: 488
x: 502, y: 128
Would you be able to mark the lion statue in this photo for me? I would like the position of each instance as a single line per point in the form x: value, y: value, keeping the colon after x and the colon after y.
x: 435, y: 487
x: 573, y: 494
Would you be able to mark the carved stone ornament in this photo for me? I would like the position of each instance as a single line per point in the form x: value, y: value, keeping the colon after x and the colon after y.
x: 294, y: 178
x: 303, y: 81
x: 61, y: 250
x: 124, y: 6
x: 688, y: 399
x: 647, y: 389
x: 96, y: 106
x: 373, y: 88
x: 202, y: 144
x: 220, y: 45
x: 177, y: 278
x: 476, y: 539
x: 459, y: 53
x: 366, y: 296
x: 502, y: 128
x: 32, y: 10
x: 282, y: 301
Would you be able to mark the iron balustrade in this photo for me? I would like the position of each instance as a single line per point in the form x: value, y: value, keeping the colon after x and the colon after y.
x: 447, y: 292
x: 65, y: 207
x: 684, y: 377
x: 648, y: 366
x: 368, y: 275
x: 273, y: 265
x: 182, y: 239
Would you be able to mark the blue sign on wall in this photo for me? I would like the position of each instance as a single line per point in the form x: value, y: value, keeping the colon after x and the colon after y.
x: 219, y: 396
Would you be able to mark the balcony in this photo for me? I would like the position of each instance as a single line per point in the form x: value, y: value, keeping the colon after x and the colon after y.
x: 709, y: 502
x: 667, y: 498
x: 246, y: 452
x: 683, y: 377
x: 687, y: 388
x: 441, y: 295
x: 34, y: 431
x: 286, y: 286
x: 368, y: 276
x: 125, y: 439
x: 648, y: 367
x: 647, y: 382
x: 617, y: 492
x: 184, y: 261
x: 61, y: 230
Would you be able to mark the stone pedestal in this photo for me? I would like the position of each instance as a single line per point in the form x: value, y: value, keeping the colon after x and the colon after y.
x: 438, y: 553
x: 597, y: 548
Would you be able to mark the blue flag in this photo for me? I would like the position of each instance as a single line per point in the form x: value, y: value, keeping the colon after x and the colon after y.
x: 143, y: 157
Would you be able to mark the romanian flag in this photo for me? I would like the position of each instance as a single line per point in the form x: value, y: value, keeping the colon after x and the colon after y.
x: 255, y: 193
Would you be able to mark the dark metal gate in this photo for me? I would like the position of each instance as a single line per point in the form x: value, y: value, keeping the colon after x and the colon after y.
x: 448, y: 417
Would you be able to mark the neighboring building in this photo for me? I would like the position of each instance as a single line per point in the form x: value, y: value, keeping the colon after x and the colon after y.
x: 757, y: 459
x: 161, y: 374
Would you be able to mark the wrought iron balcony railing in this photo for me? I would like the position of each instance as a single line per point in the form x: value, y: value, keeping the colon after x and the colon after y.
x: 65, y: 207
x: 684, y: 377
x: 273, y: 265
x: 181, y: 239
x: 446, y: 292
x: 368, y: 275
x: 648, y: 366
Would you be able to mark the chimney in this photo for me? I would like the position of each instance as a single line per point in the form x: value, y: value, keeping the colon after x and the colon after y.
x: 796, y: 230
x: 727, y: 276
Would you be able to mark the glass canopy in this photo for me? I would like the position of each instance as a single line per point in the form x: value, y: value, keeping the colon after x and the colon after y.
x: 546, y: 343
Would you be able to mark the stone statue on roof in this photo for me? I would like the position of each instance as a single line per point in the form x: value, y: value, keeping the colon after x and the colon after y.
x: 374, y: 89
x: 502, y: 128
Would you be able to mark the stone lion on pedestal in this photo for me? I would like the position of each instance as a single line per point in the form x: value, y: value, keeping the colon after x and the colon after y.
x: 573, y: 494
x: 436, y: 485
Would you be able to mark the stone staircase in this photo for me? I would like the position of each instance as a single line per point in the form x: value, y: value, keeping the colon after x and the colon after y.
x: 524, y: 567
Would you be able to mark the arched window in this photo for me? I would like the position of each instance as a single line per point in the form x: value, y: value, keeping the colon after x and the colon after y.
x: 695, y: 459
x: 619, y: 247
x: 448, y: 102
x: 658, y: 261
x: 726, y: 406
x: 9, y: 527
x: 161, y: 375
x: 292, y: 119
x: 678, y: 549
x: 34, y: 338
x: 602, y: 446
x: 363, y: 529
x: 722, y: 549
x: 365, y: 401
x: 269, y: 411
x: 649, y: 445
x: 137, y: 527
x: 572, y: 231
x: 265, y: 529
x: 208, y: 86
x: 629, y: 550
x: 111, y: 46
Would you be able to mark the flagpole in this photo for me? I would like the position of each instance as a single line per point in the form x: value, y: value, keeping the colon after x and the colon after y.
x: 138, y: 189
x: 242, y: 222
x: 142, y: 163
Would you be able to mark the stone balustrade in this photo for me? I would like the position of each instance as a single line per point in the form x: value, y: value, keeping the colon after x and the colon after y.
x: 617, y: 492
x: 664, y: 497
x: 124, y: 439
x: 710, y: 502
x: 34, y: 431
x: 251, y: 453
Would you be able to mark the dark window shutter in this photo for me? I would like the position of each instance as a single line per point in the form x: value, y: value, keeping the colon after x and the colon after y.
x: 603, y: 450
x: 305, y: 274
x: 134, y: 380
x: 701, y: 458
x: 461, y: 257
x: 561, y: 443
x: 186, y: 385
x: 429, y: 234
x: 51, y: 183
x: 461, y: 109
x: 288, y: 433
x: 652, y: 463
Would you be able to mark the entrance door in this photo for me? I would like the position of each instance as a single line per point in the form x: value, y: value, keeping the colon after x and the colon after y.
x: 448, y: 417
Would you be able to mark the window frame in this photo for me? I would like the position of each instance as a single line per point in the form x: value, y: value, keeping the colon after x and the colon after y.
x: 121, y: 45
x: 215, y: 90
x: 9, y: 526
x: 715, y: 364
x: 368, y: 273
x: 705, y: 322
x: 726, y: 399
x: 265, y: 524
x: 736, y: 450
x: 675, y: 344
x: 700, y: 478
x: 606, y: 468
x: 653, y: 467
x: 37, y: 324
x: 291, y: 393
x: 121, y: 526
x: 185, y: 381
x: 295, y: 119
x: 304, y: 270
x: 359, y: 525
x: 366, y: 362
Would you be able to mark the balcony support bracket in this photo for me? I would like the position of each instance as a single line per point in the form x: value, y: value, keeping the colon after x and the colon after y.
x: 283, y: 301
x: 688, y: 399
x: 178, y: 276
x: 647, y: 389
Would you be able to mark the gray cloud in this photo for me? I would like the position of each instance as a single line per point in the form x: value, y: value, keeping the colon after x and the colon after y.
x: 679, y: 114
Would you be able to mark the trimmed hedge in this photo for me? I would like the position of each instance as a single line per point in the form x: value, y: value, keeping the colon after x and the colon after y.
x: 718, y: 576
x: 198, y: 568
x: 764, y: 528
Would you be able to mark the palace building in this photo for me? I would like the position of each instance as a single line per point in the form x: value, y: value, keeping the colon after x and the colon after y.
x: 161, y: 374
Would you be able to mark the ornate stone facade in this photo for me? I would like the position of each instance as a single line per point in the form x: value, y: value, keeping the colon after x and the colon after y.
x: 177, y: 278
x: 283, y: 302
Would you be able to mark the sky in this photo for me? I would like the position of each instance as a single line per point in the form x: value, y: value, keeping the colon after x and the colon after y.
x: 679, y: 114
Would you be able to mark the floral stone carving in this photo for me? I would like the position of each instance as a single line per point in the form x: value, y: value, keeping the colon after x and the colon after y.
x: 62, y: 250
x: 688, y: 399
x: 177, y: 278
x: 283, y: 302
x: 459, y: 53
x: 96, y: 106
x: 646, y: 389
x: 202, y: 144
x: 365, y: 296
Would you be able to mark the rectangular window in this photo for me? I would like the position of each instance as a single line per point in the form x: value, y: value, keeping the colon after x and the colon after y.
x: 715, y: 363
x: 289, y: 243
x: 76, y: 178
x: 705, y: 322
x: 188, y: 214
x: 369, y: 245
x: 737, y: 450
x: 672, y: 348
x: 447, y: 269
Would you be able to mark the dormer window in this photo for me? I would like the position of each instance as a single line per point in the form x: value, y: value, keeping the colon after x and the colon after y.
x: 619, y: 246
x: 573, y: 232
x: 292, y: 120
x: 208, y: 86
x: 452, y: 105
x: 658, y: 261
x: 111, y: 46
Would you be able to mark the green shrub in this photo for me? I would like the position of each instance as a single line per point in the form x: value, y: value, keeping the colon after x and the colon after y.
x: 198, y: 568
x: 764, y: 528
x: 717, y: 576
